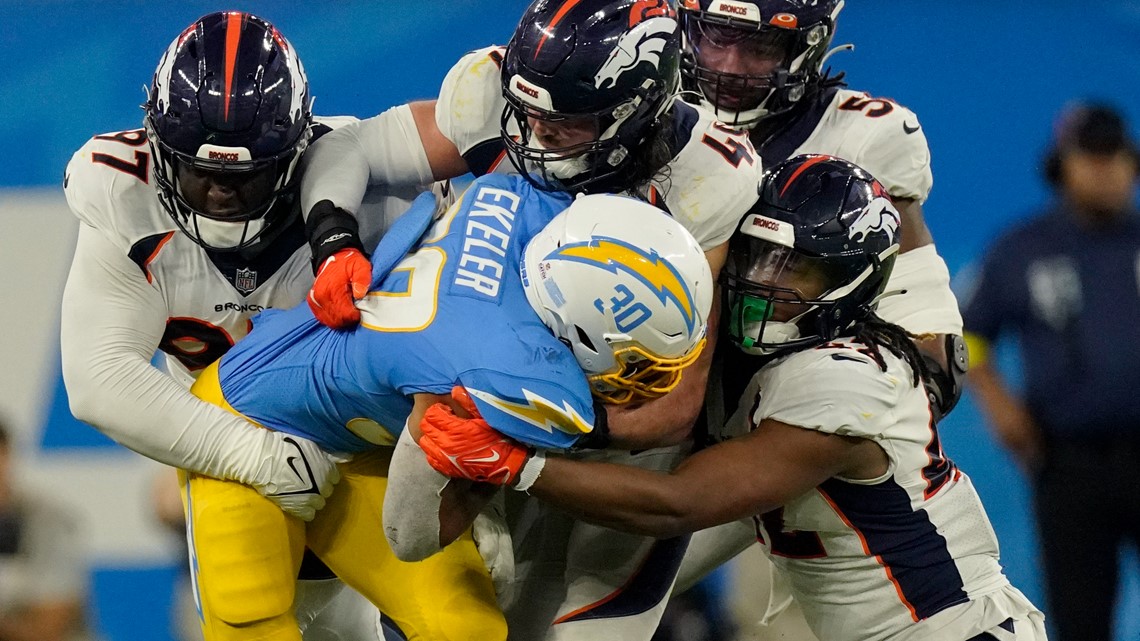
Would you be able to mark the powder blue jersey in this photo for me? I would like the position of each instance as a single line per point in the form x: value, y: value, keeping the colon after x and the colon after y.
x: 447, y: 307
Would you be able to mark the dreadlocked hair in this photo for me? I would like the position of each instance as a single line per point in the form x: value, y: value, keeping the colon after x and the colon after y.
x: 875, y: 333
x: 651, y: 158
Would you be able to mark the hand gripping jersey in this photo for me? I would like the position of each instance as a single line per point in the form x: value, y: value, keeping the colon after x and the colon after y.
x: 709, y: 184
x: 868, y: 559
x: 452, y: 311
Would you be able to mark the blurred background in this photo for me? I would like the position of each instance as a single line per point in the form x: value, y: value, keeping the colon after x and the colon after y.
x: 986, y: 79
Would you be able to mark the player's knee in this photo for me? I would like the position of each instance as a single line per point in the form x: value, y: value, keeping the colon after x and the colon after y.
x: 282, y: 627
x: 408, y: 544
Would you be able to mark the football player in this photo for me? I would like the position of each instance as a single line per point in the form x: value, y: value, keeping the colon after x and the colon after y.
x: 581, y: 99
x: 881, y: 535
x: 759, y: 64
x: 491, y: 298
x: 190, y: 226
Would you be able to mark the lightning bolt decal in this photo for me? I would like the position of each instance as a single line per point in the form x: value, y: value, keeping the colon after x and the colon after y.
x: 614, y: 255
x: 540, y: 412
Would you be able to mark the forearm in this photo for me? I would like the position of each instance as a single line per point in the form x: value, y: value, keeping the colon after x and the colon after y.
x: 42, y: 622
x: 616, y: 496
x: 112, y: 322
x: 382, y: 150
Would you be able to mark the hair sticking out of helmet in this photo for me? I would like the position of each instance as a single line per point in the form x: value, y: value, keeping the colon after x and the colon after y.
x: 586, y: 83
x: 752, y: 59
x: 228, y: 116
x: 812, y: 257
x: 627, y: 288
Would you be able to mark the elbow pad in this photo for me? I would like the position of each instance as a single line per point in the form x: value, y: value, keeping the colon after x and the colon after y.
x: 944, y: 385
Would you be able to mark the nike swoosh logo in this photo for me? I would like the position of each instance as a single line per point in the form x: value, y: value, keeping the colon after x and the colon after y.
x: 292, y: 462
x: 490, y: 459
x: 910, y: 130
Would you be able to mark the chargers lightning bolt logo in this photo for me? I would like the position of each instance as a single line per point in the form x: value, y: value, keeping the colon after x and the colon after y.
x: 653, y: 271
x: 538, y: 411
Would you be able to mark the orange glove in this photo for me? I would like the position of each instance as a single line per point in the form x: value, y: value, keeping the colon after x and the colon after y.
x: 341, y: 280
x: 469, y: 447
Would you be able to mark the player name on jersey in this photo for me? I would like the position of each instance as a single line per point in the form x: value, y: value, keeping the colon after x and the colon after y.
x: 485, y: 242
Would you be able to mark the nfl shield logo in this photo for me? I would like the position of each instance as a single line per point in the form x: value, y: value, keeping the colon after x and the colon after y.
x: 245, y: 280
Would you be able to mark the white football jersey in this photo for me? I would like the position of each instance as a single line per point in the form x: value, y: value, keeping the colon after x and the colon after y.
x: 210, y: 297
x: 878, y: 134
x: 709, y: 185
x: 882, y: 558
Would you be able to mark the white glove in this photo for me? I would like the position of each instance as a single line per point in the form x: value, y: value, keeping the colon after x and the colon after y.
x: 295, y: 474
x: 493, y: 540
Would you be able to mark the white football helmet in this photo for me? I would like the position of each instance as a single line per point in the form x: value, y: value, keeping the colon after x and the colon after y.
x: 627, y: 288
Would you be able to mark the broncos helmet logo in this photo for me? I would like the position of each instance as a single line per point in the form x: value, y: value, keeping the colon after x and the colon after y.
x: 879, y: 215
x: 643, y: 43
x: 659, y: 275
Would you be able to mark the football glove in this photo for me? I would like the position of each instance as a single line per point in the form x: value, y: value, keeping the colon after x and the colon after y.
x: 343, y: 272
x: 469, y: 447
x: 298, y: 475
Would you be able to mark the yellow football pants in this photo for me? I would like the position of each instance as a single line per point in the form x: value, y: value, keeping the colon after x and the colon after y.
x: 245, y: 554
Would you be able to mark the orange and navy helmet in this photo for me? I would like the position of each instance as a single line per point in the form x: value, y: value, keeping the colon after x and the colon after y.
x: 751, y: 59
x: 811, y: 258
x: 229, y: 96
x: 607, y: 64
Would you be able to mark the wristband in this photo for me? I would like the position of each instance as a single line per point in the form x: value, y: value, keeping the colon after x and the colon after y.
x: 530, y: 471
x: 331, y: 229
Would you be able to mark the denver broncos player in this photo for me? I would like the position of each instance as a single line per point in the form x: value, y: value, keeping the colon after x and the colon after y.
x: 190, y: 226
x: 837, y: 451
x: 465, y: 306
x: 759, y: 64
x: 582, y: 99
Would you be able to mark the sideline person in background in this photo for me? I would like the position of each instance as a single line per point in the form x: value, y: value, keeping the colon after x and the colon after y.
x: 1066, y: 284
x: 43, y: 575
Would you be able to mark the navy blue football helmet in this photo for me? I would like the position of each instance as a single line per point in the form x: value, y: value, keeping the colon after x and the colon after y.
x: 751, y: 59
x: 811, y: 258
x: 229, y: 98
x: 606, y: 67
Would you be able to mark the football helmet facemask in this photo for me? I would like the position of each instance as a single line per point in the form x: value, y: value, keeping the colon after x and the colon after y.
x: 751, y: 59
x: 585, y: 85
x: 811, y: 258
x: 228, y: 109
x: 627, y: 288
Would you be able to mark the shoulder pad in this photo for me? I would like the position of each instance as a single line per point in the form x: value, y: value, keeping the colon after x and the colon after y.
x: 471, y: 99
x: 886, y: 139
x: 713, y: 178
x: 108, y: 186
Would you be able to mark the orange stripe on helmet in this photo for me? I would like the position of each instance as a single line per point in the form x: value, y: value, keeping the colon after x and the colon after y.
x: 558, y: 16
x: 233, y: 38
x: 803, y: 167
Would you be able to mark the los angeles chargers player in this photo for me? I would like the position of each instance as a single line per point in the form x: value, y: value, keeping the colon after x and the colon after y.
x: 189, y: 227
x: 596, y: 295
x: 582, y: 98
x: 837, y: 452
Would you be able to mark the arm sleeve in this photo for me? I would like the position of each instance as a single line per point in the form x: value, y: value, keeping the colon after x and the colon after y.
x: 382, y: 150
x: 112, y: 322
x: 542, y: 413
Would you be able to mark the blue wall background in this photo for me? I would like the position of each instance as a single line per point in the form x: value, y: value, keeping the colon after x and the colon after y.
x: 986, y: 79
